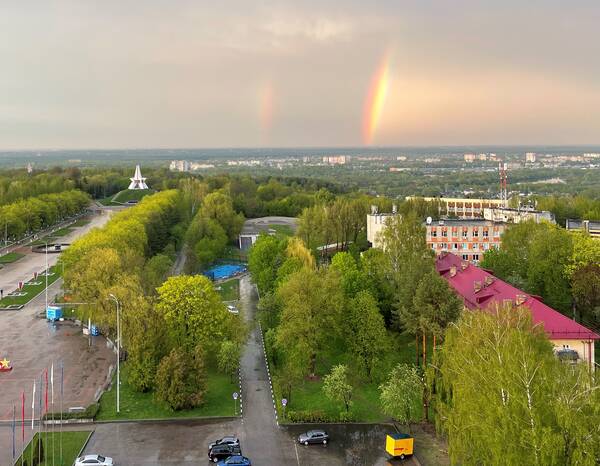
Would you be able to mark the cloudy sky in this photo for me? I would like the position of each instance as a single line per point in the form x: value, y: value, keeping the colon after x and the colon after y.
x: 183, y: 73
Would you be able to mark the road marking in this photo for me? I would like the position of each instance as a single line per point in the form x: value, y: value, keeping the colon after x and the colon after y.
x: 297, y: 457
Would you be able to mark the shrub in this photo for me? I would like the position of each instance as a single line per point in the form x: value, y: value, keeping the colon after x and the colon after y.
x: 318, y: 416
x: 180, y: 379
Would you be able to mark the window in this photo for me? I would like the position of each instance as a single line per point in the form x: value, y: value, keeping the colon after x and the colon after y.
x: 465, y: 257
x: 496, y: 234
x: 475, y: 257
x: 485, y: 233
x: 432, y: 246
x: 486, y: 246
x: 444, y: 246
x: 464, y: 246
x: 455, y: 246
x: 434, y: 233
x: 475, y: 232
x: 465, y: 233
x: 445, y: 233
x: 475, y: 246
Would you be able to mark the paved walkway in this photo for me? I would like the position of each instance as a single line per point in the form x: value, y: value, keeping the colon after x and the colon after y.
x: 23, y: 269
x: 265, y: 442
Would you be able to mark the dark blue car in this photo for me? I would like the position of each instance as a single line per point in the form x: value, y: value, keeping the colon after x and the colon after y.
x: 236, y: 460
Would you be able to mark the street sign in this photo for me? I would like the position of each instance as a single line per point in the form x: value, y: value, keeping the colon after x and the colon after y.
x: 235, y: 395
x: 284, y: 401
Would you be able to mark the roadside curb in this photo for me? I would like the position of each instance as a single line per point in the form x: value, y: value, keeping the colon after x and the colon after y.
x: 262, y: 340
x: 87, y: 440
x: 168, y: 420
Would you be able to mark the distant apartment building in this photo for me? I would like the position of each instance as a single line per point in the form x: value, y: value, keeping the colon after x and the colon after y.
x: 401, y: 158
x: 470, y: 158
x: 482, y: 157
x: 336, y: 159
x: 179, y: 166
x: 462, y: 207
x: 479, y: 290
x: 590, y: 226
x: 530, y: 157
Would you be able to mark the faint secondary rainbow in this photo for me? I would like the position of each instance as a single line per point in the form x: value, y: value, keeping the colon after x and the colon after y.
x: 376, y: 100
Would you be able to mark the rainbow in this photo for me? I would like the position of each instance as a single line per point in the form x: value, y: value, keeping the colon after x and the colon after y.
x: 266, y: 99
x: 376, y: 99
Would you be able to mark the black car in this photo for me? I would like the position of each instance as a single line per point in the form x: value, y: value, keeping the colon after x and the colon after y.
x: 313, y: 436
x: 229, y: 440
x: 220, y: 452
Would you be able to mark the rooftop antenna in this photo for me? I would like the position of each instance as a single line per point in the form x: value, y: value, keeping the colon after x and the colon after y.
x: 503, y: 170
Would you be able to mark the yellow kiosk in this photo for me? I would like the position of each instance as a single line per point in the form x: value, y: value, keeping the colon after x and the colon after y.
x: 399, y: 445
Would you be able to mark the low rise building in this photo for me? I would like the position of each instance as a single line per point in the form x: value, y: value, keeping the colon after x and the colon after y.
x: 479, y: 290
x: 468, y: 239
x: 508, y: 215
x: 269, y: 225
x: 589, y: 226
x: 462, y: 207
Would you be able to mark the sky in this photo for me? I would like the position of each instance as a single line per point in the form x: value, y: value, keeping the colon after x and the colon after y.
x: 183, y: 73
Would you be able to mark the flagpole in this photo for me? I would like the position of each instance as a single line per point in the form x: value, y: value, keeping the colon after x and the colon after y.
x: 62, y: 378
x: 32, y: 419
x: 14, y: 428
x: 22, y: 427
x: 40, y: 421
x: 46, y: 412
x: 52, y: 391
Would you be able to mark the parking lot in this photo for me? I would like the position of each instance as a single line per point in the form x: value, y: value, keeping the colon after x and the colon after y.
x: 185, y: 443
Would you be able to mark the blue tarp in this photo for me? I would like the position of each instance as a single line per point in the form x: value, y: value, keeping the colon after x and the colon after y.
x: 224, y: 271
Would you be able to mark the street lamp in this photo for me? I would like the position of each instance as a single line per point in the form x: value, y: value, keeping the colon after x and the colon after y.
x: 118, y: 348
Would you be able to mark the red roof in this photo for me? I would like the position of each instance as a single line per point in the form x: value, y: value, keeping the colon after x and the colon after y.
x: 478, y: 288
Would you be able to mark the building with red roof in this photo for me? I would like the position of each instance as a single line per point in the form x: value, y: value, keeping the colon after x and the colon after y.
x: 479, y: 288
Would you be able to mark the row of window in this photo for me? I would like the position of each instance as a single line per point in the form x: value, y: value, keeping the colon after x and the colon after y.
x: 465, y: 233
x: 463, y: 246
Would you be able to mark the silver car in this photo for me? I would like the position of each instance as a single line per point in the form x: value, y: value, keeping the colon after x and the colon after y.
x: 91, y: 460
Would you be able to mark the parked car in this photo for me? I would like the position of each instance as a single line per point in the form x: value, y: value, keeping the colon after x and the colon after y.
x: 232, y: 309
x: 91, y: 460
x: 236, y: 460
x: 313, y: 436
x: 227, y: 440
x: 221, y: 452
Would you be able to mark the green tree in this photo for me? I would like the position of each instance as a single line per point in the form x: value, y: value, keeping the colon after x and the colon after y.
x: 410, y: 259
x: 401, y: 394
x: 180, y: 379
x: 366, y: 336
x: 585, y: 283
x: 337, y: 388
x: 155, y: 271
x: 264, y: 259
x: 312, y: 303
x: 219, y: 207
x: 228, y: 359
x: 193, y: 312
x: 498, y: 383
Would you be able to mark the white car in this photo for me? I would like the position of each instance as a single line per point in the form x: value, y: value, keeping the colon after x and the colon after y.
x: 232, y: 309
x: 98, y: 460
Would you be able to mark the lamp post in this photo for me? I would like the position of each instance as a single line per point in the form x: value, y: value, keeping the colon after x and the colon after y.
x: 118, y: 348
x: 46, y: 276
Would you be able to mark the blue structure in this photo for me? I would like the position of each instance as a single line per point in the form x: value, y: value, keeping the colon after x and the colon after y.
x: 220, y: 272
x: 53, y: 313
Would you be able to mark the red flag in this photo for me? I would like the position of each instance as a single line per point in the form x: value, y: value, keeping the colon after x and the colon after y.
x: 46, y: 397
x: 23, y: 416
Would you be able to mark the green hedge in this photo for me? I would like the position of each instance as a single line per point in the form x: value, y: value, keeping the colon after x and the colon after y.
x: 317, y: 416
x: 90, y: 413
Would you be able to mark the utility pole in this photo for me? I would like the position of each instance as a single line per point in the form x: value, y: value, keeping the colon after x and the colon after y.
x: 118, y: 349
x: 46, y: 274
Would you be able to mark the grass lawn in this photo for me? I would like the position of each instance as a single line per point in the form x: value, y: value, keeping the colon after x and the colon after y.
x: 10, y: 257
x: 107, y: 201
x: 72, y: 442
x: 32, y: 290
x: 309, y: 396
x: 79, y: 223
x: 134, y: 405
x: 230, y: 290
x: 282, y: 229
x: 62, y: 232
x: 131, y: 195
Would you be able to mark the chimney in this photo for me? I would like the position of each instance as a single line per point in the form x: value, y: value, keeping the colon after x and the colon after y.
x: 489, y: 280
x: 464, y: 265
x: 476, y: 286
x: 521, y: 298
x: 453, y: 271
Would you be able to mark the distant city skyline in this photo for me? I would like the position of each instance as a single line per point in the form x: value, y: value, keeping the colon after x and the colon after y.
x: 185, y: 74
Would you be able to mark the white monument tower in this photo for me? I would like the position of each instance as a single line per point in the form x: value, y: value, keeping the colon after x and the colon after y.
x: 138, y: 182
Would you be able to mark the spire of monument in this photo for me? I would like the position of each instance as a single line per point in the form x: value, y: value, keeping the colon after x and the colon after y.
x: 138, y: 181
